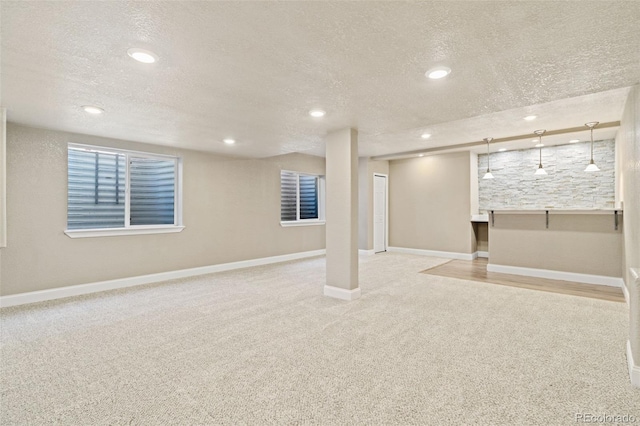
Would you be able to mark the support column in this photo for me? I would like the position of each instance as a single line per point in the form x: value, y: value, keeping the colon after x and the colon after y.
x: 342, y: 215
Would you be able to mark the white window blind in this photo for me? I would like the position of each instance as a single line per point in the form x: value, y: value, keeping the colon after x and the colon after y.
x: 120, y: 189
x: 288, y: 196
x: 96, y: 190
x: 308, y: 186
x: 152, y: 191
x: 300, y: 197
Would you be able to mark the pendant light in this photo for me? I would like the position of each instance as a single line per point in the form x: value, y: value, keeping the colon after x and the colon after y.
x: 488, y: 175
x: 592, y: 166
x: 540, y: 170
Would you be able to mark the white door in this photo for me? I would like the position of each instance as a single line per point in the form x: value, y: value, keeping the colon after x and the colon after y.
x: 379, y: 213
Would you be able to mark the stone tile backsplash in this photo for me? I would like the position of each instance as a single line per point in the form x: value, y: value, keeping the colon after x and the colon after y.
x: 566, y: 185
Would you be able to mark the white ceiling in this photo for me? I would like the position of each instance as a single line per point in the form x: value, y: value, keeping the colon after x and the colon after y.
x: 253, y: 70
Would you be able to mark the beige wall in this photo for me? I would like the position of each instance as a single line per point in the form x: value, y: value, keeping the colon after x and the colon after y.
x: 231, y: 210
x: 481, y: 231
x: 366, y: 170
x: 628, y: 146
x: 3, y: 177
x: 430, y: 203
x: 581, y: 243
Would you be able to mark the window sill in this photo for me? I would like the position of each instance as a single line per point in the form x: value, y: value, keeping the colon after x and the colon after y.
x: 302, y: 223
x: 133, y: 230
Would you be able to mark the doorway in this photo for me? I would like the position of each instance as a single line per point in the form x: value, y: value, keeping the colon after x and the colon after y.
x: 380, y: 212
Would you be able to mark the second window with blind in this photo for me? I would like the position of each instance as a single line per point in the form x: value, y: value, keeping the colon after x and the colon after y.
x: 301, y: 199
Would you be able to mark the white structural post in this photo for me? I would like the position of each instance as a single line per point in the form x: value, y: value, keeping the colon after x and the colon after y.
x: 342, y: 214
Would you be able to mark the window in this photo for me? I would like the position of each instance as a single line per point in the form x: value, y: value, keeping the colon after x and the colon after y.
x: 301, y: 199
x: 114, y: 192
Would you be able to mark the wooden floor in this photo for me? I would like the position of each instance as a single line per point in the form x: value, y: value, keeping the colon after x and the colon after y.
x: 476, y: 270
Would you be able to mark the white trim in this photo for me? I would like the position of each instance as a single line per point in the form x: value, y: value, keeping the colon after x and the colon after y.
x: 367, y: 252
x: 625, y: 290
x: 557, y: 275
x: 308, y: 222
x: 483, y: 254
x: 76, y: 290
x: 132, y: 230
x: 635, y: 278
x: 386, y: 208
x: 341, y: 293
x: 320, y: 181
x: 436, y: 253
x: 634, y: 369
x: 482, y: 218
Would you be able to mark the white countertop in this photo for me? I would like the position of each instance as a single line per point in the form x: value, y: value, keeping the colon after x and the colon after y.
x: 559, y: 211
x: 480, y: 218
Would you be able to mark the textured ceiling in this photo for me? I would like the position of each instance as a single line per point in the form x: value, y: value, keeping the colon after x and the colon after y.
x: 253, y: 70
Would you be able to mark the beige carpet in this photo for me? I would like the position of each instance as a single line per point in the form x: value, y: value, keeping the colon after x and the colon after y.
x: 263, y: 346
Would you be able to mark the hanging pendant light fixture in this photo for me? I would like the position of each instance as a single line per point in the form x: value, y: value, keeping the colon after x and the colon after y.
x: 540, y: 170
x: 592, y: 166
x: 488, y: 175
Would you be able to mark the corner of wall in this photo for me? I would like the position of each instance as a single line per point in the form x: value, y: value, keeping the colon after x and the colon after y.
x: 474, y: 190
x: 3, y: 177
x: 628, y: 191
x: 363, y: 203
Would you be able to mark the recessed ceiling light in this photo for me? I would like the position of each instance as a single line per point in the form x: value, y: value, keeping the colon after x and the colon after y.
x: 92, y: 109
x: 502, y: 149
x: 574, y: 140
x: 539, y: 145
x: 317, y: 113
x: 229, y: 141
x: 425, y: 135
x: 142, y: 55
x: 531, y: 117
x: 438, y: 72
x: 421, y: 155
x: 535, y: 140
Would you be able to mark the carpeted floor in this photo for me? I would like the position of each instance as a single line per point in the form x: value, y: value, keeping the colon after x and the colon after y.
x: 263, y: 346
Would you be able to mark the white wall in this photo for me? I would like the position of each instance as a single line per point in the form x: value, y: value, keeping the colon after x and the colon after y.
x: 628, y: 143
x: 566, y: 184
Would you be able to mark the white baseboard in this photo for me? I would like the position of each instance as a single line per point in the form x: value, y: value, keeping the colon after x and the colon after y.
x: 557, y: 275
x: 341, y: 293
x: 435, y: 253
x: 634, y: 369
x: 625, y: 290
x: 634, y: 280
x: 366, y: 252
x: 483, y: 254
x: 77, y: 290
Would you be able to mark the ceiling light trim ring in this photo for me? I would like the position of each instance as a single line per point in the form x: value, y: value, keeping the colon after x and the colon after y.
x: 142, y: 55
x: 92, y: 109
x: 438, y: 73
